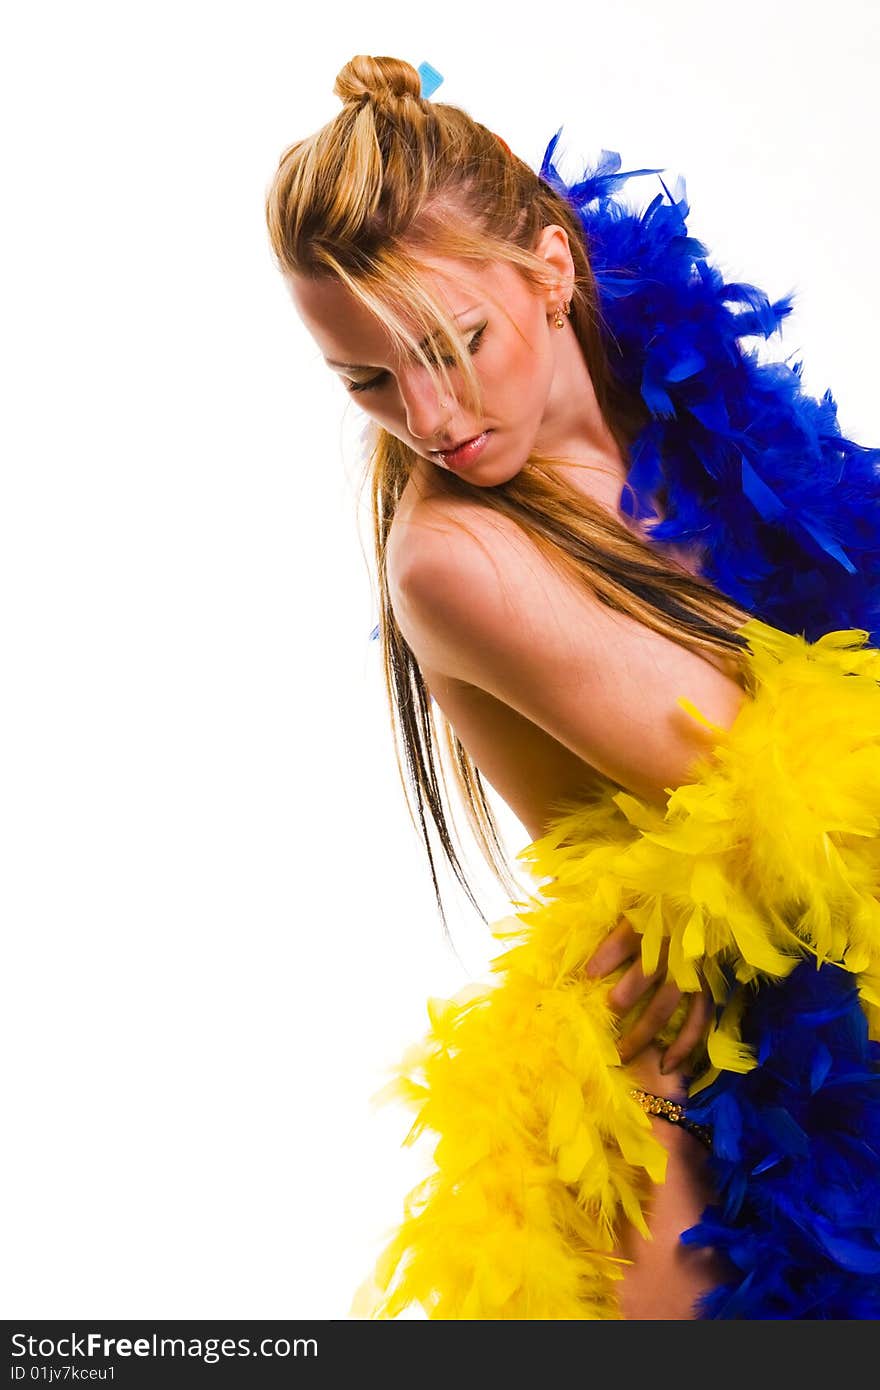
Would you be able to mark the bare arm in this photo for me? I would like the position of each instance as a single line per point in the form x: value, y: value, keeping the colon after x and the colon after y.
x: 491, y: 610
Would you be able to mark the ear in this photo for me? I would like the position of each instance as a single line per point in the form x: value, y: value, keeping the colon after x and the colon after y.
x: 553, y: 246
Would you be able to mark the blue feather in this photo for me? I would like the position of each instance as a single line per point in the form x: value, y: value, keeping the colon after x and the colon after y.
x: 798, y: 1218
x: 792, y: 516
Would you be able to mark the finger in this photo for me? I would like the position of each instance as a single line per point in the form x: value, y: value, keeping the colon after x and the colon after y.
x: 644, y: 1030
x: 694, y: 1029
x: 629, y: 989
x: 622, y: 943
x: 631, y: 986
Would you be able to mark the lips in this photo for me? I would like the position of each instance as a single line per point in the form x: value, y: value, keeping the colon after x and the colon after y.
x: 465, y: 454
x: 450, y: 448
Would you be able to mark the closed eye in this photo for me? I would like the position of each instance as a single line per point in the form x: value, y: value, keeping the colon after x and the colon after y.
x: 473, y: 347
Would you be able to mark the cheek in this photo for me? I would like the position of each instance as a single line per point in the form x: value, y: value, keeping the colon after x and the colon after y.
x: 523, y: 378
x: 381, y: 411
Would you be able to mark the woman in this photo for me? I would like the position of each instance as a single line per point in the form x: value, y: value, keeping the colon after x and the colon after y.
x: 702, y: 788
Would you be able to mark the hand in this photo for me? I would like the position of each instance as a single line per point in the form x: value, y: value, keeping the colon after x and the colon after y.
x: 622, y: 944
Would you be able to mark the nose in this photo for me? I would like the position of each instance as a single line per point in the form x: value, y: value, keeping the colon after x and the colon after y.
x: 426, y: 413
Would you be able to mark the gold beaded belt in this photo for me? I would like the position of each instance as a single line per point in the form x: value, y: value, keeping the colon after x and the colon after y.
x: 672, y: 1111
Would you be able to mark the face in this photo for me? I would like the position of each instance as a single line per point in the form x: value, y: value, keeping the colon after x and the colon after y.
x: 524, y: 367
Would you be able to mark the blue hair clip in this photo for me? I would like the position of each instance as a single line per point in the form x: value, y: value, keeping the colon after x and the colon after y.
x: 431, y: 79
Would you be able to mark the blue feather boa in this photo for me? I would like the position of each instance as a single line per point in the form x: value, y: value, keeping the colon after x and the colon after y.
x: 796, y: 1158
x: 754, y: 469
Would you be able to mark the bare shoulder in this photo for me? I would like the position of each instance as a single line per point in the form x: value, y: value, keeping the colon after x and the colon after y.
x: 480, y: 601
x: 438, y: 540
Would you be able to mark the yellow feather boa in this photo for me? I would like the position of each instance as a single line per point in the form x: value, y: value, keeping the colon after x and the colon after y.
x: 771, y: 852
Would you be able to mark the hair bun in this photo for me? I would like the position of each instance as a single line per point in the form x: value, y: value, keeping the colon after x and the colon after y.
x: 377, y: 79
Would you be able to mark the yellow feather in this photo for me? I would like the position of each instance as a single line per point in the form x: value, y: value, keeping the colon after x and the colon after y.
x: 770, y: 853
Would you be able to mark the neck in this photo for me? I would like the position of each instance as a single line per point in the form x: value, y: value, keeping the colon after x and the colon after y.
x: 575, y: 429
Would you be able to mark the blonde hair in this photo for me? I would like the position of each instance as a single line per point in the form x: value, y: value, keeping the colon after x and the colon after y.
x: 391, y: 177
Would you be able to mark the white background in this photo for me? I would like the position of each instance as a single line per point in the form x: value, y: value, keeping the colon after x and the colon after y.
x: 218, y: 922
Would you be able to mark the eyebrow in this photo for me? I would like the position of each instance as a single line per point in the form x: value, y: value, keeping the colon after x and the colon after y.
x: 360, y: 367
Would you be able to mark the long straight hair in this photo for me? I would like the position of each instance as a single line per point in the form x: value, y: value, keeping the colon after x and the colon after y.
x: 393, y: 178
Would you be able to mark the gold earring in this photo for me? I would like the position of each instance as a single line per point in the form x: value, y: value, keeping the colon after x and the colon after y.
x: 559, y: 321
